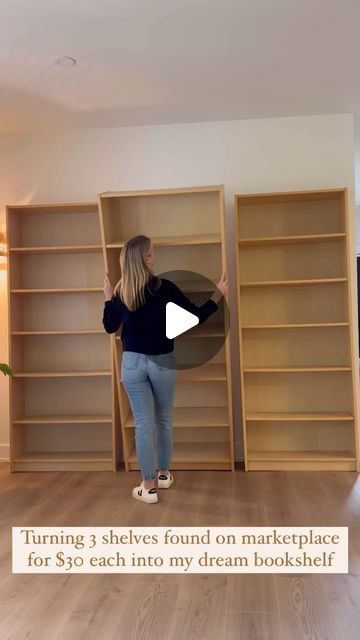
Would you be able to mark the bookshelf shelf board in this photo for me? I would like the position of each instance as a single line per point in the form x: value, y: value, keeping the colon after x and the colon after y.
x: 304, y: 369
x: 268, y: 240
x: 318, y: 416
x: 60, y: 374
x: 60, y: 249
x: 69, y: 419
x: 173, y: 241
x: 285, y: 283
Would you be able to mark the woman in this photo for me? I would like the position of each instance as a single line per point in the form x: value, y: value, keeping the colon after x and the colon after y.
x: 148, y: 369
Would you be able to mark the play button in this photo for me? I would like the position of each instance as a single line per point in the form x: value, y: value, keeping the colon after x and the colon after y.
x: 178, y: 320
x: 195, y: 343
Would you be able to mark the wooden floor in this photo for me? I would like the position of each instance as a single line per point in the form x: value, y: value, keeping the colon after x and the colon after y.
x: 180, y: 607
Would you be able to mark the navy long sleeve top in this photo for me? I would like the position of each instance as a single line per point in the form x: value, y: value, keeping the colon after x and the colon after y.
x: 144, y: 330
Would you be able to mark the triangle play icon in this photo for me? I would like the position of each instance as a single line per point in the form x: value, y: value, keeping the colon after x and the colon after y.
x: 178, y: 320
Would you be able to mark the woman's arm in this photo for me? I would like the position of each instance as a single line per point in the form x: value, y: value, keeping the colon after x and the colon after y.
x: 205, y: 310
x: 112, y: 317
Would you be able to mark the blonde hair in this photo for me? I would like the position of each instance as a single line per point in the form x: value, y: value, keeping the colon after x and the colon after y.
x: 135, y: 273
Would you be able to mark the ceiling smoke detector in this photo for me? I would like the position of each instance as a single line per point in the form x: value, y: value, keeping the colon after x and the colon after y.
x: 66, y: 61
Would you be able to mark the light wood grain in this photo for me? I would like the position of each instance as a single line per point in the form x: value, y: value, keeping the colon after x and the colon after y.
x: 319, y: 237
x: 297, y: 416
x: 298, y: 372
x: 60, y: 356
x: 287, y: 283
x: 187, y: 227
x: 59, y: 332
x: 175, y: 606
x: 90, y: 248
x: 173, y: 241
x: 294, y: 325
x: 65, y: 419
x: 59, y: 290
x: 60, y: 374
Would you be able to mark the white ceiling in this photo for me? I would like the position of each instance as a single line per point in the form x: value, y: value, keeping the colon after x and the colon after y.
x: 161, y: 61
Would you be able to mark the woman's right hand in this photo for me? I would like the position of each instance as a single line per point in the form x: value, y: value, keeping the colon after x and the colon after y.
x: 222, y: 285
x: 108, y: 288
x: 221, y: 288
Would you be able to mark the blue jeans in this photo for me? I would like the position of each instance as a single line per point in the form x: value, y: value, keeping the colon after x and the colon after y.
x: 150, y: 385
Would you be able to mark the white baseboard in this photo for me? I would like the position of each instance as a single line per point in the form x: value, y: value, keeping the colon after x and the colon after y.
x: 4, y: 453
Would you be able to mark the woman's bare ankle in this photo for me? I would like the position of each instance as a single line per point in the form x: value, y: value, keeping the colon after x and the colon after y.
x: 150, y: 484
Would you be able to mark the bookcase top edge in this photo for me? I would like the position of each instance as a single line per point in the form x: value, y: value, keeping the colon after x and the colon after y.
x: 155, y: 192
x: 53, y: 205
x: 306, y: 194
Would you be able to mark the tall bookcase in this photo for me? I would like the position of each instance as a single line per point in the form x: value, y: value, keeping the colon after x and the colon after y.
x: 62, y: 396
x: 299, y: 392
x: 187, y: 229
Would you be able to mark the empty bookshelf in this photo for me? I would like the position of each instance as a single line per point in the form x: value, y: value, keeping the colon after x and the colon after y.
x: 62, y: 395
x: 186, y: 227
x: 297, y: 357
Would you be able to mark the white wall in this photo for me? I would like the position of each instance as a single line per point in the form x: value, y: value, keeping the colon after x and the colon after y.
x: 251, y: 156
x: 357, y: 179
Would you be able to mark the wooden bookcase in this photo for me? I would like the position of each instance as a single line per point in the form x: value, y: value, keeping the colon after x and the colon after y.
x: 187, y: 230
x: 299, y: 392
x: 62, y: 396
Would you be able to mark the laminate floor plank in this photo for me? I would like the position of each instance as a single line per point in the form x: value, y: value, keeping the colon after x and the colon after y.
x: 322, y: 607
x: 248, y: 625
x: 199, y: 611
x: 252, y: 593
